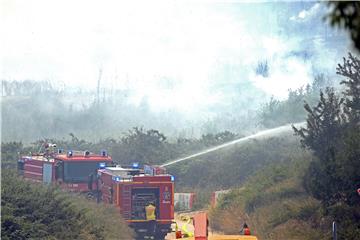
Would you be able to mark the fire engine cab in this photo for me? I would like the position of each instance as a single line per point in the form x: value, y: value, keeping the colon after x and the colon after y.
x: 70, y: 170
x: 131, y: 189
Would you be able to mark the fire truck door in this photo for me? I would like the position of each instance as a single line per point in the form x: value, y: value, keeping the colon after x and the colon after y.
x: 47, y: 173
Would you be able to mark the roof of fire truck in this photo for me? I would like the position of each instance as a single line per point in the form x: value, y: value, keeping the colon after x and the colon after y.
x: 85, y: 156
x: 119, y: 173
x: 80, y: 156
x: 38, y: 157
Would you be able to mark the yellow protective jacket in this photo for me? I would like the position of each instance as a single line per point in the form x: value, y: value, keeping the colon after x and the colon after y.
x: 150, y: 212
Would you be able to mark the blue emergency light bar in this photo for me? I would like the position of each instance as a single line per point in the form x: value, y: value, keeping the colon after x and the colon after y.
x: 172, y: 178
x: 103, y: 153
x: 135, y: 165
x: 102, y: 165
x: 70, y: 153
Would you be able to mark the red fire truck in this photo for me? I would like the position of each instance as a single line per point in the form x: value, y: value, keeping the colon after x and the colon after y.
x: 70, y: 170
x: 132, y: 189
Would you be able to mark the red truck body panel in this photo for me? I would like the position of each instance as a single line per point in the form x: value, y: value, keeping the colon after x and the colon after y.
x: 41, y: 168
x: 34, y: 168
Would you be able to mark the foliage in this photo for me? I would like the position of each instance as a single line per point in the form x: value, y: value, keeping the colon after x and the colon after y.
x: 143, y: 146
x: 333, y: 134
x: 24, y: 88
x: 137, y: 145
x: 346, y: 14
x: 9, y: 153
x: 323, y: 124
x: 262, y: 69
x: 33, y: 110
x: 276, y: 113
x: 236, y: 162
x: 273, y: 203
x: 351, y: 70
x: 31, y: 211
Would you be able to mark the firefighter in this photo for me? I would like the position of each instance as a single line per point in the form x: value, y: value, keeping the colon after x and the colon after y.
x: 246, y: 230
x: 151, y: 216
x: 150, y: 211
x: 185, y: 230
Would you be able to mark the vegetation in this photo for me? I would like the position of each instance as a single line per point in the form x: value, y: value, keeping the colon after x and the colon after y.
x: 333, y: 134
x: 236, y: 162
x: 280, y: 189
x: 273, y: 203
x: 346, y: 14
x: 34, y: 110
x: 34, y: 211
x: 299, y: 198
x: 137, y: 145
x: 277, y: 113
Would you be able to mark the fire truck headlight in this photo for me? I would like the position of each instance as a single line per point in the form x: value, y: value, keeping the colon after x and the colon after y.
x: 102, y: 165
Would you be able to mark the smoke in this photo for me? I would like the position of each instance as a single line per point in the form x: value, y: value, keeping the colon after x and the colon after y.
x: 190, y: 62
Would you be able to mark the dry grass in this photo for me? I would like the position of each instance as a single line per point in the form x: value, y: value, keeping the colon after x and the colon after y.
x: 273, y: 203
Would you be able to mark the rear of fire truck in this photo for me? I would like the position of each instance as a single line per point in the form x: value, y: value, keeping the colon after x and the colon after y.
x: 70, y: 170
x: 131, y: 190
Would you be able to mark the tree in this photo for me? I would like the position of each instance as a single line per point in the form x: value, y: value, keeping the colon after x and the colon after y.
x: 262, y: 69
x: 346, y: 14
x: 351, y: 70
x: 333, y: 134
x: 322, y: 135
x: 143, y: 146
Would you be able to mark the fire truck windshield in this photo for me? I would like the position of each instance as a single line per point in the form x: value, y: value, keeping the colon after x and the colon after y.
x: 79, y: 171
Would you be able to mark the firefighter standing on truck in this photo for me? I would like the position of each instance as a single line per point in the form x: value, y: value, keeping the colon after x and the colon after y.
x: 150, y: 216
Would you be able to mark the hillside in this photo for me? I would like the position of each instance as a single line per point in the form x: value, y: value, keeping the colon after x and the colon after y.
x: 32, y: 211
x: 267, y: 180
x: 274, y: 204
x: 237, y: 162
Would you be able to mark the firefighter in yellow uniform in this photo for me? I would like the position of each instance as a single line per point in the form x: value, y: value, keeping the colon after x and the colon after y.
x: 150, y: 211
x: 151, y: 217
x: 185, y: 230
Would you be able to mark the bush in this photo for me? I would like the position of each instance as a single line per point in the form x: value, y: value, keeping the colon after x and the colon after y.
x: 34, y: 211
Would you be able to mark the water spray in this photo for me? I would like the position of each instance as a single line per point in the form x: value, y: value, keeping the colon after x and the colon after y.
x: 265, y: 133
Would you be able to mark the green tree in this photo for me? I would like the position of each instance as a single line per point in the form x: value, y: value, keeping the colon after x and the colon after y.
x: 324, y: 123
x: 346, y: 14
x: 333, y: 134
x: 143, y: 146
x: 351, y: 70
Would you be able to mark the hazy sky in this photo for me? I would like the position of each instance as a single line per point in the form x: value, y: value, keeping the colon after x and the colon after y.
x: 176, y: 53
